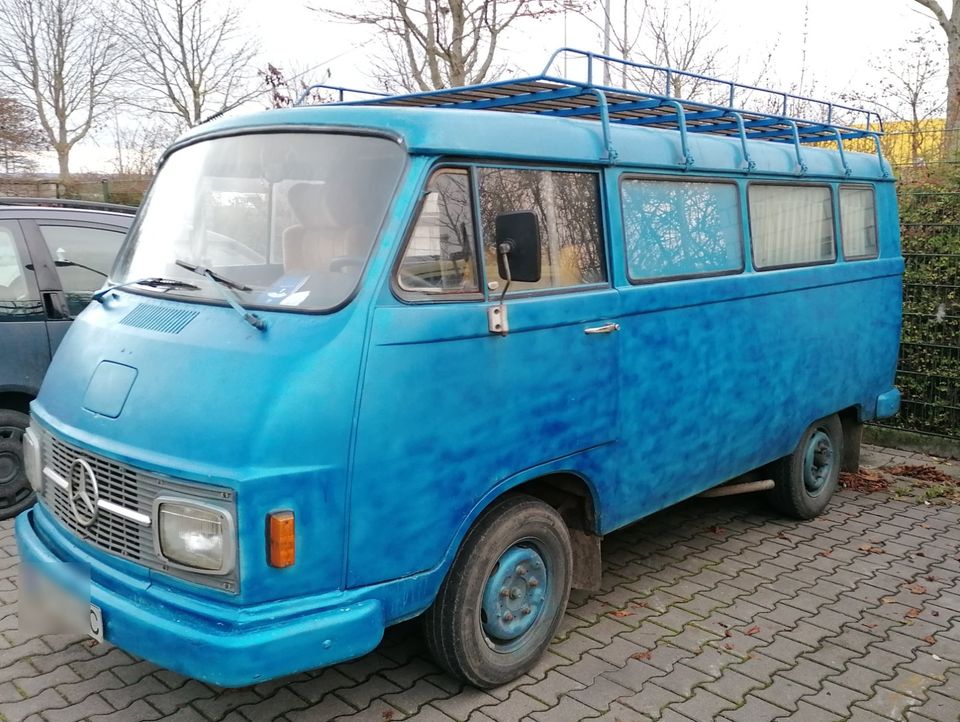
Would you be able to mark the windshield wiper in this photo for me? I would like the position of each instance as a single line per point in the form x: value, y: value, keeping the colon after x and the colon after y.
x: 204, y: 271
x: 224, y: 286
x: 153, y: 281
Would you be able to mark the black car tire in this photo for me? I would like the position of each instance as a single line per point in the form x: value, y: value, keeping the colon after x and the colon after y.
x: 456, y: 623
x: 15, y: 492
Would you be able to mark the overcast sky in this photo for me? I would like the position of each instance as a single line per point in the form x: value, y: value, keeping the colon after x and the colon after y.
x: 846, y: 42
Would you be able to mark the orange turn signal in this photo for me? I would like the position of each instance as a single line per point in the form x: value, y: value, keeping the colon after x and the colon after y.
x: 281, y: 539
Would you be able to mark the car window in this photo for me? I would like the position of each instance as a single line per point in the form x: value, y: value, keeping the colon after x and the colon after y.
x: 439, y: 257
x: 95, y: 248
x: 567, y: 206
x: 13, y: 275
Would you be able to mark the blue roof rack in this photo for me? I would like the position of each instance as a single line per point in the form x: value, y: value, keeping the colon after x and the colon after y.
x: 549, y: 95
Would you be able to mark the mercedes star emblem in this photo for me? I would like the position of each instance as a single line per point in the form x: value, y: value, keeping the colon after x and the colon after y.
x: 83, y: 493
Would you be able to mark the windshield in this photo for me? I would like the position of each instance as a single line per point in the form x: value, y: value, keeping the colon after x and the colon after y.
x: 289, y: 218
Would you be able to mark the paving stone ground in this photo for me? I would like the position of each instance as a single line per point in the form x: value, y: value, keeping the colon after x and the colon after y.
x: 711, y: 610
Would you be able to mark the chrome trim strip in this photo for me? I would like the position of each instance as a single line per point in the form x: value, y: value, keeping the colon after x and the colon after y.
x: 134, y: 516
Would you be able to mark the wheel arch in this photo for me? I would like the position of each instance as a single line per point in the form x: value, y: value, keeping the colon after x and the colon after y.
x: 16, y: 400
x: 573, y: 496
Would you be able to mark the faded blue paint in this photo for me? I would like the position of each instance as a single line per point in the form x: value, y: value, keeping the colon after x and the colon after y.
x: 387, y: 427
x: 514, y: 594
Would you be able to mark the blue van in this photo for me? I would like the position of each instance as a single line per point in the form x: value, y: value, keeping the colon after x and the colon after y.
x: 411, y: 356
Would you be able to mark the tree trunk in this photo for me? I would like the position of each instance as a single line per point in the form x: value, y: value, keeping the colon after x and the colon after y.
x: 63, y: 158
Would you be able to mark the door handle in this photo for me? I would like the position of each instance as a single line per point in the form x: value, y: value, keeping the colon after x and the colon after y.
x: 606, y: 328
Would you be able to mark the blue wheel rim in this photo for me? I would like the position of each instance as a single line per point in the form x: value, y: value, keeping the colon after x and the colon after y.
x: 514, y: 596
x: 819, y: 460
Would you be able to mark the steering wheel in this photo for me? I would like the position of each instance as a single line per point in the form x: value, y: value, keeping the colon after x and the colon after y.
x: 341, y: 262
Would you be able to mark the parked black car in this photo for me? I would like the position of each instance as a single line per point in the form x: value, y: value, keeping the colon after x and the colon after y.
x: 53, y: 255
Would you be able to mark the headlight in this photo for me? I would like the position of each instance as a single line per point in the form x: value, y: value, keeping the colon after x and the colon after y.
x: 195, y: 537
x: 31, y: 460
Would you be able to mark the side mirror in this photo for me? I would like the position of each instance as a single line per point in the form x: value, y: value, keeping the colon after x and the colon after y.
x: 518, y: 246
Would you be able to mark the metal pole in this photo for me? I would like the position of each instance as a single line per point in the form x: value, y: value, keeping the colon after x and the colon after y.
x: 606, y: 41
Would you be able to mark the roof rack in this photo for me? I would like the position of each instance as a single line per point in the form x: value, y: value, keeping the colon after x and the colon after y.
x: 550, y: 95
x: 67, y: 203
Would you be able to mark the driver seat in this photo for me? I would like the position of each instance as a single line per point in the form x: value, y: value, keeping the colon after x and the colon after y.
x: 318, y: 238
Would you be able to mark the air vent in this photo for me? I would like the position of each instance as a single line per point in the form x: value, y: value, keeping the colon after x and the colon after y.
x: 159, y: 318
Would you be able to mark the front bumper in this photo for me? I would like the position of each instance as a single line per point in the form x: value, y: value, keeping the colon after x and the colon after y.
x: 221, y: 644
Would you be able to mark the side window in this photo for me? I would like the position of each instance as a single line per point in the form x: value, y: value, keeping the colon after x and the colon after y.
x: 440, y: 256
x: 13, y: 274
x: 858, y: 222
x: 93, y: 247
x: 676, y: 228
x: 791, y: 225
x: 567, y: 206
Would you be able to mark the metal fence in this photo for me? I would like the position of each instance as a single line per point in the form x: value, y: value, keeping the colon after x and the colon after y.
x: 928, y: 370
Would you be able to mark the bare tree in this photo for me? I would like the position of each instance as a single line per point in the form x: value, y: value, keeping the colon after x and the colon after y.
x: 908, y: 90
x: 19, y: 137
x: 61, y: 57
x: 285, y: 91
x: 443, y: 43
x: 951, y: 28
x: 137, y: 146
x: 188, y: 61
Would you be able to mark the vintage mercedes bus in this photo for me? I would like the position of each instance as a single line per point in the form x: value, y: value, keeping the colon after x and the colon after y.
x: 415, y: 355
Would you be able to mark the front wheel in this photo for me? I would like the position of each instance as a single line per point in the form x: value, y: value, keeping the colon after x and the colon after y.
x: 15, y: 492
x: 504, y: 595
x: 805, y: 480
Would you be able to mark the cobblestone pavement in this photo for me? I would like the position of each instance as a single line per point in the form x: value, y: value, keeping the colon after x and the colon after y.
x: 714, y: 609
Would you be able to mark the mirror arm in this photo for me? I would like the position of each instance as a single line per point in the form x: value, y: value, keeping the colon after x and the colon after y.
x: 497, y: 315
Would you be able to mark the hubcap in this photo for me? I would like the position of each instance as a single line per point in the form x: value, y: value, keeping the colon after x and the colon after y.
x: 818, y: 461
x: 10, y: 461
x: 514, y: 594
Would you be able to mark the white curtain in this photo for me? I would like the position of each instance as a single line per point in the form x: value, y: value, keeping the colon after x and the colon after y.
x: 791, y: 225
x: 858, y: 222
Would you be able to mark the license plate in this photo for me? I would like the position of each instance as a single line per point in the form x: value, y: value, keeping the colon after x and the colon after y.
x: 95, y: 624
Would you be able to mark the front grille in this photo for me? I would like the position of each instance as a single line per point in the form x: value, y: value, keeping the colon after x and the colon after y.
x: 135, y: 491
x: 118, y: 484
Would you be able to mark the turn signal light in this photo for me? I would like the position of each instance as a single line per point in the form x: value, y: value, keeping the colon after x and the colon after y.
x: 281, y: 539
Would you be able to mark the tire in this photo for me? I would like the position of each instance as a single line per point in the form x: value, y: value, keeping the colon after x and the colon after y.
x: 806, y: 479
x: 15, y: 491
x: 476, y: 629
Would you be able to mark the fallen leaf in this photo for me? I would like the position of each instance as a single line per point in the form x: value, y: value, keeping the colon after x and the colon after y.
x: 888, y: 600
x: 920, y: 554
x: 916, y: 589
x: 870, y: 549
x: 826, y: 553
x: 912, y: 613
x: 642, y: 656
x: 387, y: 714
x: 929, y: 639
x: 728, y: 633
x: 924, y: 526
x: 717, y: 529
x: 868, y: 625
x: 620, y: 613
x: 782, y: 535
x: 934, y: 612
x: 753, y: 630
x: 931, y: 578
x: 727, y: 645
x: 642, y: 605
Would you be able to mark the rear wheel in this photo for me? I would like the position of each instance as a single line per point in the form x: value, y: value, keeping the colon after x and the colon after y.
x: 504, y: 595
x: 15, y: 492
x: 807, y: 478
